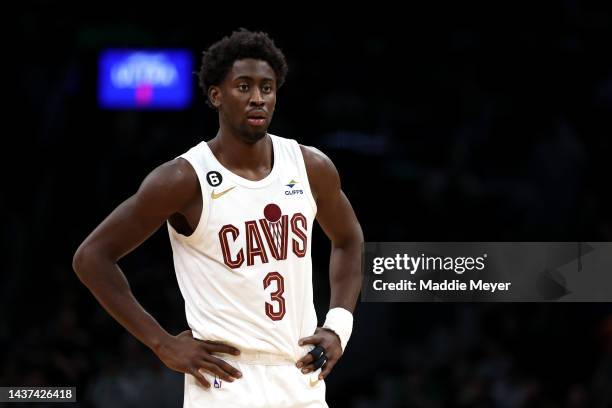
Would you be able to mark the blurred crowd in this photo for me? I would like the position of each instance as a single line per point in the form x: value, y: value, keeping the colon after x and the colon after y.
x: 486, y: 355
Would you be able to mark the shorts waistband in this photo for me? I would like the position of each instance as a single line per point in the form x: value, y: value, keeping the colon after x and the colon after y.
x: 258, y: 358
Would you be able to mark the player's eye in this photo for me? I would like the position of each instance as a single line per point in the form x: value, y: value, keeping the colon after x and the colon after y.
x: 267, y: 88
x: 243, y: 87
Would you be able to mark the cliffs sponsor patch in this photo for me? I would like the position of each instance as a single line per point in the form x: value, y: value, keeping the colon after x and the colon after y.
x: 292, y: 190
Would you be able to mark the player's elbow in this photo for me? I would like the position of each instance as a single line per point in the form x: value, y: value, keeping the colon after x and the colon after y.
x: 350, y: 240
x: 355, y: 238
x: 358, y: 234
x: 80, y: 261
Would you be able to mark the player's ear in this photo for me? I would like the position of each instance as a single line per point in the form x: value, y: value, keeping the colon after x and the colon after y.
x: 214, y: 96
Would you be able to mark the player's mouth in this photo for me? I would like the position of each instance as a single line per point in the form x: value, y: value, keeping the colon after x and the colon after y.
x: 257, y: 118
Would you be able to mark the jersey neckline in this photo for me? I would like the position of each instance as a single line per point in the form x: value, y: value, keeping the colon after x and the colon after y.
x: 243, y: 181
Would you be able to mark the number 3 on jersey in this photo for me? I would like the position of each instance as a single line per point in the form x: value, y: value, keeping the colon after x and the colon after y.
x: 275, y: 296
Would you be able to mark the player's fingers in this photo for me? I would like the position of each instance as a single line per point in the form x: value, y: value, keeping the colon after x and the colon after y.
x: 326, y: 369
x: 227, y: 369
x: 309, y: 340
x: 200, y: 377
x: 308, y: 369
x: 216, y: 347
x: 315, y: 364
x: 304, y: 360
x: 215, y: 369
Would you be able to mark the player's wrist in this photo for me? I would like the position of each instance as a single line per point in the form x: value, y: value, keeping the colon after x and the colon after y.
x: 340, y: 321
x: 327, y: 329
x: 159, y: 343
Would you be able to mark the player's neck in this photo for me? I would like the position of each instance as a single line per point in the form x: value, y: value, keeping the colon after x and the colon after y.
x: 235, y: 154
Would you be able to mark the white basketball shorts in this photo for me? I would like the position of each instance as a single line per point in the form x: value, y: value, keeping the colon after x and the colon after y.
x: 266, y: 382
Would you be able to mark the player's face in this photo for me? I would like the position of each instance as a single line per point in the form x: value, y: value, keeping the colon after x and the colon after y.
x: 247, y: 97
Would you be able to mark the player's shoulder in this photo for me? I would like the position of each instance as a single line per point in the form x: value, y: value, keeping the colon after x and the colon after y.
x: 174, y: 172
x: 322, y: 174
x: 316, y: 159
x: 175, y: 178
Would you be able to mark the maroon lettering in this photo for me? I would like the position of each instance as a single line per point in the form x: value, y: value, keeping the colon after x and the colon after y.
x: 254, y: 243
x: 299, y: 218
x: 227, y: 256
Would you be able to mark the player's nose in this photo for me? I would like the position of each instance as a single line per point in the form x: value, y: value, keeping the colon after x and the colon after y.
x: 257, y: 98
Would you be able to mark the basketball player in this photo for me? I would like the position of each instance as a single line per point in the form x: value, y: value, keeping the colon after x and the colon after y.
x: 239, y: 211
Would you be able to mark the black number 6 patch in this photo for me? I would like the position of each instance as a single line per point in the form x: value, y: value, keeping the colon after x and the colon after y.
x: 214, y: 178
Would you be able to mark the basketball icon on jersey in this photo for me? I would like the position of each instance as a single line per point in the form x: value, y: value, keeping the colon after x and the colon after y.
x: 272, y: 213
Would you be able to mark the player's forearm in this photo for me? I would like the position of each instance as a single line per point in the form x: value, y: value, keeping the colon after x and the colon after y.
x: 345, y: 275
x: 108, y: 284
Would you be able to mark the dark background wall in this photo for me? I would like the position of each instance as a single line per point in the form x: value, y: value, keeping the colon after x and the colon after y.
x: 478, y: 124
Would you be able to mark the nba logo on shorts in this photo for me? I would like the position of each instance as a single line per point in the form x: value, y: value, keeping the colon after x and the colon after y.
x: 217, y: 382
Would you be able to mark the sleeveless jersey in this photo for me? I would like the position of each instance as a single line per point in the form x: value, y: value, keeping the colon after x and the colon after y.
x: 245, y: 273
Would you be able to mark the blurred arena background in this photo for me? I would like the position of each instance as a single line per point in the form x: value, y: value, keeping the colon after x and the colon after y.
x: 446, y: 125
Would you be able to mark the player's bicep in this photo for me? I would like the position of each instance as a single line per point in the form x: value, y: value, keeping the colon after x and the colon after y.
x: 334, y: 211
x: 165, y: 191
x: 337, y: 219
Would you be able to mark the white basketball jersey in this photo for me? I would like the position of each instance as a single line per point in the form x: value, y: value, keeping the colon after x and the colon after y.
x: 246, y: 272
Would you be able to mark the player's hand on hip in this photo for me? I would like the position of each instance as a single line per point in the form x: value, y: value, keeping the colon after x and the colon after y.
x: 185, y: 354
x: 333, y: 351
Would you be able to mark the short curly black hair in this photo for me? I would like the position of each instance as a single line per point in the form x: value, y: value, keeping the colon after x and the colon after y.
x: 219, y: 58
